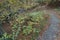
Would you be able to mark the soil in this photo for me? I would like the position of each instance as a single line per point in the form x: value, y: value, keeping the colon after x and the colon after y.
x: 52, y: 32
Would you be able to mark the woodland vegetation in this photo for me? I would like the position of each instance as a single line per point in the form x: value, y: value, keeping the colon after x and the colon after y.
x: 16, y: 23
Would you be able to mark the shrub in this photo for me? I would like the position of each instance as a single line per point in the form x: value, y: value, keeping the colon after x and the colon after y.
x: 24, y: 26
x: 27, y: 25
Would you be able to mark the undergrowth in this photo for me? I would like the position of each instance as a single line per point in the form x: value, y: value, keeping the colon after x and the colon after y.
x: 27, y: 26
x: 23, y: 26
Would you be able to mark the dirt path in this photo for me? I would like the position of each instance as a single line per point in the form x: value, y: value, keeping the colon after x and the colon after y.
x: 53, y: 31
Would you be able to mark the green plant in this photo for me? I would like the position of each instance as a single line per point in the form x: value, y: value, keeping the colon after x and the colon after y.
x: 15, y: 31
x: 27, y: 30
x: 6, y: 36
x: 43, y: 1
x: 28, y: 24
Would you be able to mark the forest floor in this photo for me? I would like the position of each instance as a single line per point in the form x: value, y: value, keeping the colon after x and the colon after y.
x: 53, y: 30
